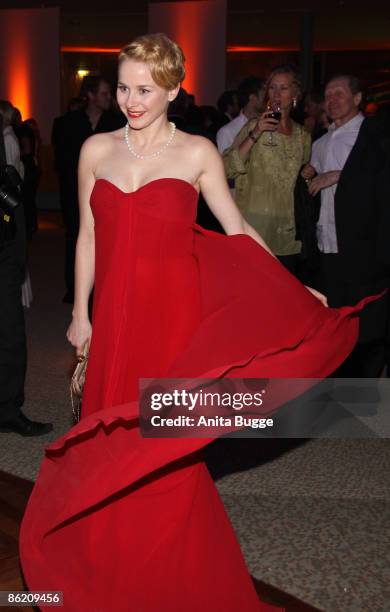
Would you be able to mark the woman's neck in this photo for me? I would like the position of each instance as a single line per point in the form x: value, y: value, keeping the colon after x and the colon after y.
x: 285, y: 125
x: 152, y: 135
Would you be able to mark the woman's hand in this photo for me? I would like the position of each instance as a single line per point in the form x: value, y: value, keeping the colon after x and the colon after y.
x: 321, y: 181
x: 318, y: 295
x: 308, y: 172
x: 79, y: 331
x: 265, y: 124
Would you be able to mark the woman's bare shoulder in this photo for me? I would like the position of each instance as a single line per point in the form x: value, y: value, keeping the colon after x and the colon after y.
x: 99, y: 145
x: 196, y: 145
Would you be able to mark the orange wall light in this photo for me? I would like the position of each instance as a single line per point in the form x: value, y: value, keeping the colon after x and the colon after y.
x: 256, y: 49
x: 16, y: 41
x: 199, y: 27
x: 19, y: 87
x: 69, y: 49
x: 29, y: 59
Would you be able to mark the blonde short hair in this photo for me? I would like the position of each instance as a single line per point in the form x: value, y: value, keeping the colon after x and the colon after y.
x: 164, y: 58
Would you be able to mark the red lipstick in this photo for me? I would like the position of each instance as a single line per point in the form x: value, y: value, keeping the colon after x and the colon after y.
x: 135, y: 115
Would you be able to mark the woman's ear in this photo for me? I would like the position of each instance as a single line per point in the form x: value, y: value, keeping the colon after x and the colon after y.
x: 297, y: 92
x: 172, y: 93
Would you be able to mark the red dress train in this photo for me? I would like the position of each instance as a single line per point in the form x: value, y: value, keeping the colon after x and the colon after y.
x: 120, y: 522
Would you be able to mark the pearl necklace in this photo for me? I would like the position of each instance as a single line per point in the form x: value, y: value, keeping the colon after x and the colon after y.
x: 157, y: 153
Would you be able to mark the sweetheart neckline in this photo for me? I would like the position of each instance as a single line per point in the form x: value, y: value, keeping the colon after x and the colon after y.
x: 128, y: 193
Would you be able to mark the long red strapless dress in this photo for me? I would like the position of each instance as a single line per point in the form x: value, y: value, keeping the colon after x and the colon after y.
x: 130, y: 524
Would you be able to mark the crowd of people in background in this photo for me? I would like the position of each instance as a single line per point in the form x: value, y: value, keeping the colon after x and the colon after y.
x: 23, y: 143
x: 20, y: 150
x: 309, y: 171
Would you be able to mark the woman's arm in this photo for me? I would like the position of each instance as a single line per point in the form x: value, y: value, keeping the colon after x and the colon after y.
x: 216, y: 192
x: 263, y: 124
x: 80, y: 329
x: 234, y: 165
x: 236, y: 158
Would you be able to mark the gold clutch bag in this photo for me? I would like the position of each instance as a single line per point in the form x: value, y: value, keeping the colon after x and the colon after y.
x: 77, y: 382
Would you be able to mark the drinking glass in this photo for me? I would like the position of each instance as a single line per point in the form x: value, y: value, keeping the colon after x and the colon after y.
x: 275, y: 112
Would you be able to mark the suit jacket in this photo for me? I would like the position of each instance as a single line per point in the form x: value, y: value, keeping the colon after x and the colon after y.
x: 362, y: 207
x: 69, y: 133
x: 306, y: 213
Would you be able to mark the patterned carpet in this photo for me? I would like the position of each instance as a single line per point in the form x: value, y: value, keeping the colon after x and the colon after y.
x: 312, y: 517
x: 315, y: 522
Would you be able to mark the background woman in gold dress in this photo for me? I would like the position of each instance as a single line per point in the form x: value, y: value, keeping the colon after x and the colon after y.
x: 265, y: 175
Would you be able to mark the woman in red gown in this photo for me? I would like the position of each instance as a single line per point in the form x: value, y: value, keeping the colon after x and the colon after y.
x: 125, y: 523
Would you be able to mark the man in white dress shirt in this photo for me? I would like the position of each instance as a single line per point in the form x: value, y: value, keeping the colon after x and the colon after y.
x: 328, y: 158
x: 250, y: 95
x: 350, y: 167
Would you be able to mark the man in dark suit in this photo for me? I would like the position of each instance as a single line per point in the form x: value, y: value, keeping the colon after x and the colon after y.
x: 69, y: 133
x: 350, y: 167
